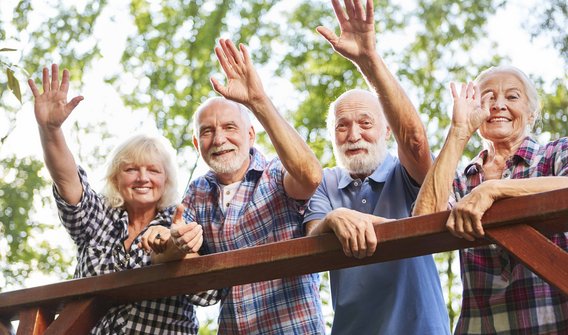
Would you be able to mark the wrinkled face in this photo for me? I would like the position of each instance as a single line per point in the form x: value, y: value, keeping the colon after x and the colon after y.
x: 141, y: 185
x: 360, y: 134
x: 224, y: 139
x: 510, y: 114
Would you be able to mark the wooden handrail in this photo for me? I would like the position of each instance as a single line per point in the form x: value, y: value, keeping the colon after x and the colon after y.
x: 545, y: 212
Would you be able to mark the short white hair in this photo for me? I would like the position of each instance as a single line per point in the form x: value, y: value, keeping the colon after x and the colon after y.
x: 209, y: 101
x: 330, y: 119
x: 530, y: 89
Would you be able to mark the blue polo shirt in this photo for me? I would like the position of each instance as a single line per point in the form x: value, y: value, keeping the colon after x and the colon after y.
x: 397, y: 297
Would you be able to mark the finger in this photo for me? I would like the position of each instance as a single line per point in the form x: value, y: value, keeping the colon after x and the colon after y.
x: 190, y: 234
x: 478, y: 228
x: 346, y: 246
x: 65, y: 81
x: 246, y: 56
x: 453, y: 90
x: 371, y: 238
x: 237, y: 56
x: 194, y: 244
x: 339, y: 13
x: 370, y: 12
x: 224, y: 62
x: 463, y: 225
x: 329, y: 35
x: 470, y: 91
x: 451, y: 226
x: 359, y: 11
x: 54, y: 77
x: 178, y: 215
x: 45, y: 79
x: 229, y: 55
x: 485, y: 100
x: 463, y: 90
x: 350, y: 9
x: 33, y: 87
x: 218, y: 87
x: 353, y: 246
x: 361, y: 245
x: 73, y: 103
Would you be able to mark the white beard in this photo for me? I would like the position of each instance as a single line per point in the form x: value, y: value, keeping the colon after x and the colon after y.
x: 228, y: 163
x: 364, y: 164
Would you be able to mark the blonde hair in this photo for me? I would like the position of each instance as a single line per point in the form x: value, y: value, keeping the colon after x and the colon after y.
x: 530, y: 89
x: 141, y: 149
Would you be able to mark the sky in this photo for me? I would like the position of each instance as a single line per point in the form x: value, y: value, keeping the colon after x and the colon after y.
x: 102, y: 102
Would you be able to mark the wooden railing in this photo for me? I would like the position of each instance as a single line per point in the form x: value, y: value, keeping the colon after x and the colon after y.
x: 518, y: 225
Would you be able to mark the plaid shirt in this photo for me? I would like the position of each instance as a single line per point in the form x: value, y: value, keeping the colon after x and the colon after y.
x: 99, y: 232
x: 259, y: 213
x: 500, y: 295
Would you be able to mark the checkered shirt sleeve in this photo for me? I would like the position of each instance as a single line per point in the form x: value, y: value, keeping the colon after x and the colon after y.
x: 99, y: 231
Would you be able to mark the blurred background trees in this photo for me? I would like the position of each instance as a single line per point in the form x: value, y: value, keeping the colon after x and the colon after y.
x: 143, y: 61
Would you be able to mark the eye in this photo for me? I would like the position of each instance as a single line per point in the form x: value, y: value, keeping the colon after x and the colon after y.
x: 512, y: 97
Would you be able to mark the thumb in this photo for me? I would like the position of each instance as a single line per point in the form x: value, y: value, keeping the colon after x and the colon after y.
x: 178, y: 215
x: 329, y: 35
x: 218, y: 87
x: 73, y: 103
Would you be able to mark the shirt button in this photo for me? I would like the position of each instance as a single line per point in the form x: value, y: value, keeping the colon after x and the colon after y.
x: 506, y: 174
x: 239, y: 309
x: 227, y: 204
x: 228, y: 192
x: 356, y: 183
x: 364, y: 201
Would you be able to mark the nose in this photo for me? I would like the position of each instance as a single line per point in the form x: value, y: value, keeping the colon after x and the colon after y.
x: 499, y: 104
x: 219, y: 138
x: 354, y: 134
x: 143, y: 175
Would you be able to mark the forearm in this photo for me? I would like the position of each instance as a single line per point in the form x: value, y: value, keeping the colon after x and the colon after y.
x: 507, y: 188
x: 297, y: 158
x: 61, y: 165
x: 404, y: 121
x: 435, y: 191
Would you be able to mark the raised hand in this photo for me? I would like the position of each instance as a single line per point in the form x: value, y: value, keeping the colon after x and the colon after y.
x: 470, y: 109
x: 243, y: 83
x: 51, y: 107
x: 187, y: 237
x: 357, y: 38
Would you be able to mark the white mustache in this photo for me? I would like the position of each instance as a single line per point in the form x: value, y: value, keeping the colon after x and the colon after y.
x: 215, y: 150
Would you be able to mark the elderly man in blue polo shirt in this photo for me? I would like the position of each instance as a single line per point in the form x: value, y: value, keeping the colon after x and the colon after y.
x: 370, y: 187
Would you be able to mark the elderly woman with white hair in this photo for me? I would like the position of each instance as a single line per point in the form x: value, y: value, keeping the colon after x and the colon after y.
x: 139, y: 198
x: 500, y: 294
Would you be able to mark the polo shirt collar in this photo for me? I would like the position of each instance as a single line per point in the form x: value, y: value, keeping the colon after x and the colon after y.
x: 378, y: 176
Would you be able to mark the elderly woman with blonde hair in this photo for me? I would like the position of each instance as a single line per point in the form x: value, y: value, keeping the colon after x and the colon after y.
x: 113, y: 230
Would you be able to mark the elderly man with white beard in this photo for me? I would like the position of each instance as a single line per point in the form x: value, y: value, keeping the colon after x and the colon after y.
x: 247, y: 200
x: 371, y: 186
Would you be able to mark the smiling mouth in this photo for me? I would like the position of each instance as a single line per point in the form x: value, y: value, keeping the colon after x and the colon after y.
x: 222, y: 152
x: 351, y: 152
x: 498, y: 120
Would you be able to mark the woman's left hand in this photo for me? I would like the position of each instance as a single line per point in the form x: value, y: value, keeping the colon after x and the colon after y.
x: 155, y: 239
x: 465, y: 218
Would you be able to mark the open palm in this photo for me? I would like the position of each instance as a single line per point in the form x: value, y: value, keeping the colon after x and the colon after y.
x: 51, y: 107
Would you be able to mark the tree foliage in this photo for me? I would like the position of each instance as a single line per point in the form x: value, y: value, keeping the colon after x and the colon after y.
x: 166, y: 60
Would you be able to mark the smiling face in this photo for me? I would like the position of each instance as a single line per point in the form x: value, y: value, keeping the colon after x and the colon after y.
x: 360, y: 132
x: 224, y: 138
x: 141, y: 185
x: 511, y: 114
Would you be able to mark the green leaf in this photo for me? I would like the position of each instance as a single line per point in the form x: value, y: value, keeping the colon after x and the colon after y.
x: 13, y: 84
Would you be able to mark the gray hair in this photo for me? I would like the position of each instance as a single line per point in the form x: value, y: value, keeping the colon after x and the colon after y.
x: 530, y: 89
x: 141, y: 149
x: 330, y: 119
x: 209, y: 101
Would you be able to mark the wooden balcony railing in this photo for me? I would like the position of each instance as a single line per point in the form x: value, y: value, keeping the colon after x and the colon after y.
x: 518, y: 225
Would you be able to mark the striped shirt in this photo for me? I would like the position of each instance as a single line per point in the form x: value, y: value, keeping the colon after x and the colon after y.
x: 500, y: 295
x: 260, y: 212
x: 99, y: 232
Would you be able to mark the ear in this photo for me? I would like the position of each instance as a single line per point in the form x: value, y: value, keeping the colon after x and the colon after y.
x: 388, y: 133
x: 252, y: 135
x: 195, y: 143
